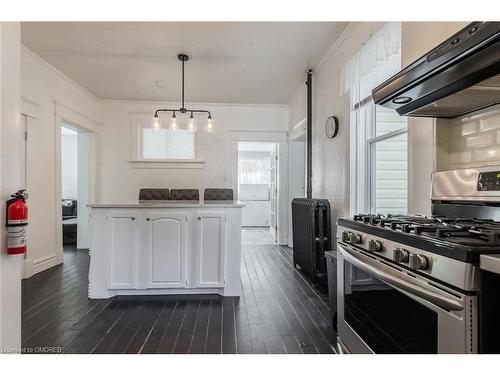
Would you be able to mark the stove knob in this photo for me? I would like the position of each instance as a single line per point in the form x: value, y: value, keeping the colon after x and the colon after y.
x: 400, y: 255
x: 355, y: 238
x: 345, y: 236
x: 375, y: 246
x: 418, y: 262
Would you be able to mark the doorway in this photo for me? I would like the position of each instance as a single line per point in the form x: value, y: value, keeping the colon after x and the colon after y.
x: 76, y: 182
x: 258, y: 189
x: 297, y: 175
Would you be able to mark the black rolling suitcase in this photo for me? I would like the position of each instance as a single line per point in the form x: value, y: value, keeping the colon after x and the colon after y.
x: 311, y: 226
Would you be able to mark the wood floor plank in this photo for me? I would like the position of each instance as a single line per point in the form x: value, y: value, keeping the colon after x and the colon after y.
x: 214, y: 333
x: 199, y: 339
x: 144, y: 329
x: 243, y: 339
x: 229, y: 344
x: 159, y: 330
x: 169, y: 338
x: 183, y: 341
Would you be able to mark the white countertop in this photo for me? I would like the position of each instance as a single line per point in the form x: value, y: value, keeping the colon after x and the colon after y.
x: 490, y: 263
x: 170, y: 204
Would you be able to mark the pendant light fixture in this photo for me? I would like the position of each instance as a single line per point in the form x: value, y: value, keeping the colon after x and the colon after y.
x: 173, y: 123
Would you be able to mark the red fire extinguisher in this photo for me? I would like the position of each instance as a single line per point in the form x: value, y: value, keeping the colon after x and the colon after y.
x: 17, y: 221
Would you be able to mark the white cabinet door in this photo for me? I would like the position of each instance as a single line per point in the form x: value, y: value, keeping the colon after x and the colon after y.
x: 166, y: 244
x: 211, y: 247
x: 122, y: 237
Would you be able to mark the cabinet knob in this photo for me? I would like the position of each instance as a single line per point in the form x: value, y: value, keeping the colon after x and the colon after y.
x: 133, y: 218
x: 147, y: 219
x: 199, y: 217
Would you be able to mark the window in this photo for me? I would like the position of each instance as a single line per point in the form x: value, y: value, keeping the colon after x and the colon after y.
x: 255, y: 171
x: 379, y: 162
x: 388, y: 163
x: 254, y: 164
x: 167, y: 144
x: 163, y: 148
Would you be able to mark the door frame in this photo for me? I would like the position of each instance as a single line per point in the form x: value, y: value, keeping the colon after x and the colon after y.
x: 66, y: 115
x: 281, y: 138
x: 295, y: 136
x: 30, y: 113
x: 275, y: 165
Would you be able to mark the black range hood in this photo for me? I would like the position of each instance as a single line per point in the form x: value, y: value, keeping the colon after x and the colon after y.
x: 460, y: 76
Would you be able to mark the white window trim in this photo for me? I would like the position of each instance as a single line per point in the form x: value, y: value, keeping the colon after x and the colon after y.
x: 139, y: 121
x: 382, y: 45
x: 362, y: 158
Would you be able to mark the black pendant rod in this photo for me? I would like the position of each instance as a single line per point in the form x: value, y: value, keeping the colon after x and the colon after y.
x: 183, y: 58
x: 183, y: 61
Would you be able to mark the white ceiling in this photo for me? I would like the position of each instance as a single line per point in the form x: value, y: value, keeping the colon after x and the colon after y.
x: 231, y: 62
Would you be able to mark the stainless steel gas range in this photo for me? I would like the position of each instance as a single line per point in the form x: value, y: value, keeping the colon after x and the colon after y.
x: 410, y: 284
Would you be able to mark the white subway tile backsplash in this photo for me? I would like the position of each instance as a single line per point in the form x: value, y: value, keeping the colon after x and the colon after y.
x: 492, y: 153
x: 470, y: 141
x: 468, y: 128
x: 460, y: 157
x: 490, y: 123
x: 479, y: 140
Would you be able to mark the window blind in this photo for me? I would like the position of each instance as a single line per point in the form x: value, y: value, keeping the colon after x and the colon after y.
x: 377, y: 60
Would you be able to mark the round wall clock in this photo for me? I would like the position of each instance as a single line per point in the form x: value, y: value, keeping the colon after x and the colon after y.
x: 331, y: 127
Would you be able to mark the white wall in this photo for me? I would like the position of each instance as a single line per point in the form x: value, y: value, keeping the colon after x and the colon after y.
x: 51, y: 95
x: 418, y: 38
x: 121, y: 181
x: 10, y: 181
x: 330, y: 172
x: 69, y: 165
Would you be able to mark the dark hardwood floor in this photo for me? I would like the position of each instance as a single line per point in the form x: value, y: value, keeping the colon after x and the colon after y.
x: 280, y: 311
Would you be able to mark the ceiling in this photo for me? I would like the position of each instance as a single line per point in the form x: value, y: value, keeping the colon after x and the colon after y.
x: 230, y: 62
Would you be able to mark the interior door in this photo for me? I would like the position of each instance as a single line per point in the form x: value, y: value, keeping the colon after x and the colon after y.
x: 166, y: 244
x: 273, y: 192
x: 211, y: 247
x: 122, y: 243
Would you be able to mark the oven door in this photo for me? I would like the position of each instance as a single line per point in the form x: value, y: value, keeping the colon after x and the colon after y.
x: 384, y: 308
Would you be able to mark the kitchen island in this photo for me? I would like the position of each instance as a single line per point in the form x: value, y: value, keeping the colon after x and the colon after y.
x: 165, y: 247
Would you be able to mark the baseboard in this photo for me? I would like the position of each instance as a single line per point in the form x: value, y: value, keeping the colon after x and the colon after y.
x: 60, y: 255
x: 28, y: 268
x: 34, y: 266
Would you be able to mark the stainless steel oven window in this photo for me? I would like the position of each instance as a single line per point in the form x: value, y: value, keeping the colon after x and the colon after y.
x: 396, y: 310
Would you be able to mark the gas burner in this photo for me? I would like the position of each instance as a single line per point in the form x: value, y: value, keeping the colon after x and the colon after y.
x: 459, y: 230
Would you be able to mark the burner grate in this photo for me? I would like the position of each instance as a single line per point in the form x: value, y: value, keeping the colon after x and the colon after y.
x: 460, y: 230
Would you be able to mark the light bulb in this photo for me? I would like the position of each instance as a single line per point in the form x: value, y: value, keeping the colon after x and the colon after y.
x: 156, y: 123
x: 210, y: 125
x: 192, y: 124
x: 173, y: 123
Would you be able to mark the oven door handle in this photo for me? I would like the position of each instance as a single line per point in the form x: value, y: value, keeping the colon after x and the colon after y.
x: 400, y: 280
